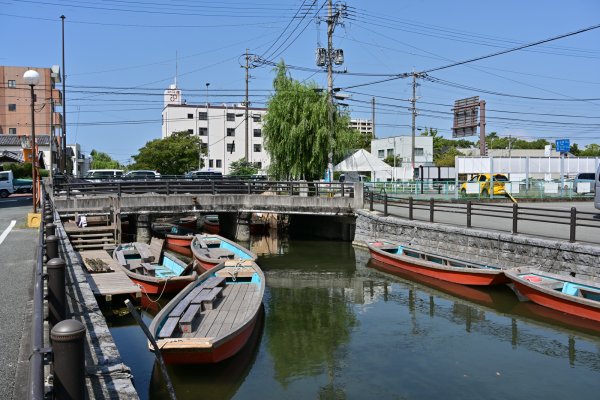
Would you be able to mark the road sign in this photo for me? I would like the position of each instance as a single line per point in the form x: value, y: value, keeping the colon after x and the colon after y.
x: 563, y: 145
x: 466, y: 118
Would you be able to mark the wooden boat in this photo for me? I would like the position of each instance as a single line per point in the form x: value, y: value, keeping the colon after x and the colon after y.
x: 154, y: 270
x: 210, y: 224
x: 213, y: 318
x: 210, y: 250
x: 188, y: 222
x: 562, y: 293
x: 436, y: 266
x: 177, y: 238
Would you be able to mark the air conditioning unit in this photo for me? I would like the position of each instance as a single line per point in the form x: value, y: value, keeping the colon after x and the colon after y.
x: 338, y: 56
x: 321, y: 56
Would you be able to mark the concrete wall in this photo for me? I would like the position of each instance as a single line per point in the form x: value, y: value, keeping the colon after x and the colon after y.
x: 500, y: 249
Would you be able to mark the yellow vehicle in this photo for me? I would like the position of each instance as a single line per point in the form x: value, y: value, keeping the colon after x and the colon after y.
x: 484, y: 184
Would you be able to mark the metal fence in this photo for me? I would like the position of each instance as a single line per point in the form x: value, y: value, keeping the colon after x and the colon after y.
x: 514, y: 212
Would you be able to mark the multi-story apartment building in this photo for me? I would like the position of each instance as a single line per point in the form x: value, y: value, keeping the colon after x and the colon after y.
x: 401, y: 147
x: 221, y: 128
x: 364, y: 126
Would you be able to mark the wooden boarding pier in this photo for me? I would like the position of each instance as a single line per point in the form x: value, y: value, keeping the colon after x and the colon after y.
x: 105, y: 277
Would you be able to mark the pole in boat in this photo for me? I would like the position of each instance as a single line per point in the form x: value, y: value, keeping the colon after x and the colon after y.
x: 161, y: 362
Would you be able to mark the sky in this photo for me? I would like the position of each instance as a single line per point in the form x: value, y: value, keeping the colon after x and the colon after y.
x: 121, y: 55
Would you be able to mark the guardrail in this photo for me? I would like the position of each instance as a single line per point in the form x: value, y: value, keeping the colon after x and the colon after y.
x: 196, y: 186
x: 572, y: 218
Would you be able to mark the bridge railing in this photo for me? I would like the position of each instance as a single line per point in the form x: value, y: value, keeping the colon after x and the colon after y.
x: 514, y: 212
x: 214, y: 187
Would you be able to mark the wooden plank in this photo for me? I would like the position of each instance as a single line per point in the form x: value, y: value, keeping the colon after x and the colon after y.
x: 187, y: 319
x: 214, y: 282
x: 90, y: 241
x: 112, y: 283
x: 145, y: 252
x: 121, y: 258
x: 168, y: 328
x: 207, y: 322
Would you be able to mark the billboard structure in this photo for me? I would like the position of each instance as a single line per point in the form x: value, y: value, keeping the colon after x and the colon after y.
x: 467, y: 118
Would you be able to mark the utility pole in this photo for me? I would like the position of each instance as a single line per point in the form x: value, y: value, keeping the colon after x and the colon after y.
x: 413, y: 101
x: 482, y: 128
x: 330, y: 28
x: 373, y: 119
x: 63, y: 145
x: 246, y: 103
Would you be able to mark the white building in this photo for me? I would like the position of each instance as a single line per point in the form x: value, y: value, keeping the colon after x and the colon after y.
x: 364, y: 126
x: 402, y: 146
x: 221, y: 128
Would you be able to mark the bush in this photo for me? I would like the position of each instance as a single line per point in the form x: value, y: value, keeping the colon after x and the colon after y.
x: 23, y: 171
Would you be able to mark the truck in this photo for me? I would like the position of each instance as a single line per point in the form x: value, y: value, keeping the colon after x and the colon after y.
x: 10, y: 185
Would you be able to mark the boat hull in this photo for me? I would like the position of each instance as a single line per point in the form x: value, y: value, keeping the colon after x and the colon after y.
x: 164, y: 286
x: 179, y: 244
x: 211, y: 227
x: 207, y: 263
x: 455, y: 275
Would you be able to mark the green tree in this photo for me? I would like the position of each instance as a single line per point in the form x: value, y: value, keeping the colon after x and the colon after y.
x: 242, y: 168
x: 103, y: 161
x: 173, y: 155
x: 389, y: 160
x: 297, y: 131
x: 444, y: 150
x: 591, y: 150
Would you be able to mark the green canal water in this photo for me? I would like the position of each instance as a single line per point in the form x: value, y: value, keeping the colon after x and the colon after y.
x: 337, y: 326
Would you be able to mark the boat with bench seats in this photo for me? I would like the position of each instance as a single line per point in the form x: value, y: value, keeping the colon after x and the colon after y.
x: 177, y: 238
x: 213, y: 318
x: 436, y: 266
x: 154, y: 270
x: 580, y: 297
x: 210, y: 250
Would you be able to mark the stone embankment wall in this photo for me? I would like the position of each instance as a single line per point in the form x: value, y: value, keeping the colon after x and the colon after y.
x: 492, y: 248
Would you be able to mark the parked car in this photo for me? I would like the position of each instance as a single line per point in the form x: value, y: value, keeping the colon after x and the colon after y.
x: 582, y: 178
x: 141, y: 174
x: 207, y: 175
x: 99, y: 175
x: 352, y: 177
x: 484, y: 184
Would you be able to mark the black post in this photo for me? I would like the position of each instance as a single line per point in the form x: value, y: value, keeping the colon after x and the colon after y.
x: 410, y: 208
x: 421, y: 176
x: 168, y: 188
x: 385, y: 205
x: 342, y: 189
x: 212, y: 187
x: 371, y: 196
x: 50, y: 229
x: 119, y: 189
x: 573, y: 224
x: 469, y: 205
x: 48, y: 218
x: 431, y: 209
x: 67, y: 339
x: 515, y: 218
x: 51, y: 247
x: 57, y: 308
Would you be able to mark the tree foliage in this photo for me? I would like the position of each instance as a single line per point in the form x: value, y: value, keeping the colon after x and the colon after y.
x: 102, y: 160
x: 242, y: 168
x: 173, y: 155
x: 297, y: 130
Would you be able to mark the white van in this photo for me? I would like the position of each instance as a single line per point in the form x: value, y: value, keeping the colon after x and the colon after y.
x: 99, y: 175
x: 597, y: 196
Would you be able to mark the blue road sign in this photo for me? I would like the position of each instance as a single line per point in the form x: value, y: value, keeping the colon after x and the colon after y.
x: 563, y: 145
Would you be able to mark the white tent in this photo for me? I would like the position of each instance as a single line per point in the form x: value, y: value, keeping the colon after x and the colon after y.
x: 363, y: 161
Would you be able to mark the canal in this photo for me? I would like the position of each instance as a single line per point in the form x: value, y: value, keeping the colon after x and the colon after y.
x: 338, y: 326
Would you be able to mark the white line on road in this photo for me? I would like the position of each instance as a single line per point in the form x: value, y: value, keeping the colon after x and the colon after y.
x: 7, y: 230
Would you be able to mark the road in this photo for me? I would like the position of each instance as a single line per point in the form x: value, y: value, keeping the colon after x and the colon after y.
x: 532, y: 228
x: 17, y: 255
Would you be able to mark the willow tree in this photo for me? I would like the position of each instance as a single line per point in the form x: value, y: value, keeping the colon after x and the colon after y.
x: 173, y: 155
x: 297, y: 132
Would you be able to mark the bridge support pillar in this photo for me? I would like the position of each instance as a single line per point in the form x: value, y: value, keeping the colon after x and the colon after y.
x: 324, y: 227
x: 143, y: 224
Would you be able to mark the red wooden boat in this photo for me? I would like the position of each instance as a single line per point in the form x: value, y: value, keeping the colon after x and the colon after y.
x: 176, y: 238
x: 152, y: 269
x: 211, y: 250
x: 436, y: 266
x: 210, y: 224
x: 213, y: 318
x: 562, y: 293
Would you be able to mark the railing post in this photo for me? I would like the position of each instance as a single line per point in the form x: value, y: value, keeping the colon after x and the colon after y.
x: 50, y: 229
x: 469, y: 213
x: 410, y: 208
x: 168, y: 188
x: 249, y: 184
x: 56, y: 291
x: 573, y: 224
x: 515, y: 218
x: 51, y: 247
x: 119, y: 189
x: 212, y: 187
x: 431, y: 209
x: 371, y: 196
x: 67, y: 339
x: 343, y: 189
x: 385, y: 205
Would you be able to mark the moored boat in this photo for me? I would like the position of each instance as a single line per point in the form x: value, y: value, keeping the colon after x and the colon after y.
x: 436, y: 266
x: 177, y: 238
x: 153, y: 269
x: 570, y: 295
x: 210, y: 224
x: 211, y: 250
x: 213, y: 318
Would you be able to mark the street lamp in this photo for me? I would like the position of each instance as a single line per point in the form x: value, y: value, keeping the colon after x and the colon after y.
x: 32, y: 78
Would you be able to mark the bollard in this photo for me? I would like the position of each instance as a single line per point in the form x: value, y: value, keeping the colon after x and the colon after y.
x: 57, y: 308
x: 48, y: 219
x: 573, y: 224
x: 515, y: 218
x: 371, y: 195
x: 67, y: 339
x: 410, y: 208
x: 431, y: 209
x: 385, y: 205
x: 50, y: 229
x: 469, y: 212
x: 51, y: 247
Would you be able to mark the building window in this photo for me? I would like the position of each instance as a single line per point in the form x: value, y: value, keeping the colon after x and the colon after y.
x: 390, y: 152
x: 12, y: 83
x: 12, y: 131
x: 258, y: 164
x: 419, y: 151
x: 256, y: 118
x: 210, y: 163
x: 191, y: 131
x: 257, y: 133
x: 230, y: 131
x: 381, y: 153
x: 257, y: 148
x: 203, y: 146
x: 218, y: 163
x: 230, y: 117
x: 231, y: 147
x: 12, y: 107
x: 203, y: 115
x: 203, y: 131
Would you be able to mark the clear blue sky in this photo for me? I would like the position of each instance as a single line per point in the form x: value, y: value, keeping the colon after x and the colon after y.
x: 117, y: 44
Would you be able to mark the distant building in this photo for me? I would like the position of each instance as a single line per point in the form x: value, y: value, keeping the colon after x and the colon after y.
x: 364, y: 126
x: 402, y: 146
x: 474, y: 152
x: 221, y: 128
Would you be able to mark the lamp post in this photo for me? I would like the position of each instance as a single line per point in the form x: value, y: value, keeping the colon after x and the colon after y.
x: 32, y: 78
x: 207, y: 135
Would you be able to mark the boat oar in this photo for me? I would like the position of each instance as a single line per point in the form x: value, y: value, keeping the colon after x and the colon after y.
x: 161, y: 362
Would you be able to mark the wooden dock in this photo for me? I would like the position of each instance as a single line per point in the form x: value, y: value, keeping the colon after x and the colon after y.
x: 91, y: 237
x: 105, y: 277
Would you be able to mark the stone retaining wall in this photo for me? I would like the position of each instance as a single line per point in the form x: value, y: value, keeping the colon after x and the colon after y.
x: 492, y: 248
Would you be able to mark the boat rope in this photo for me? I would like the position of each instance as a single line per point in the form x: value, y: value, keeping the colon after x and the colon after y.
x: 236, y: 270
x: 159, y: 296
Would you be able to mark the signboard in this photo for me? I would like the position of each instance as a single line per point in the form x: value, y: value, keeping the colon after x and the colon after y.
x: 466, y: 117
x: 563, y: 145
x: 548, y: 150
